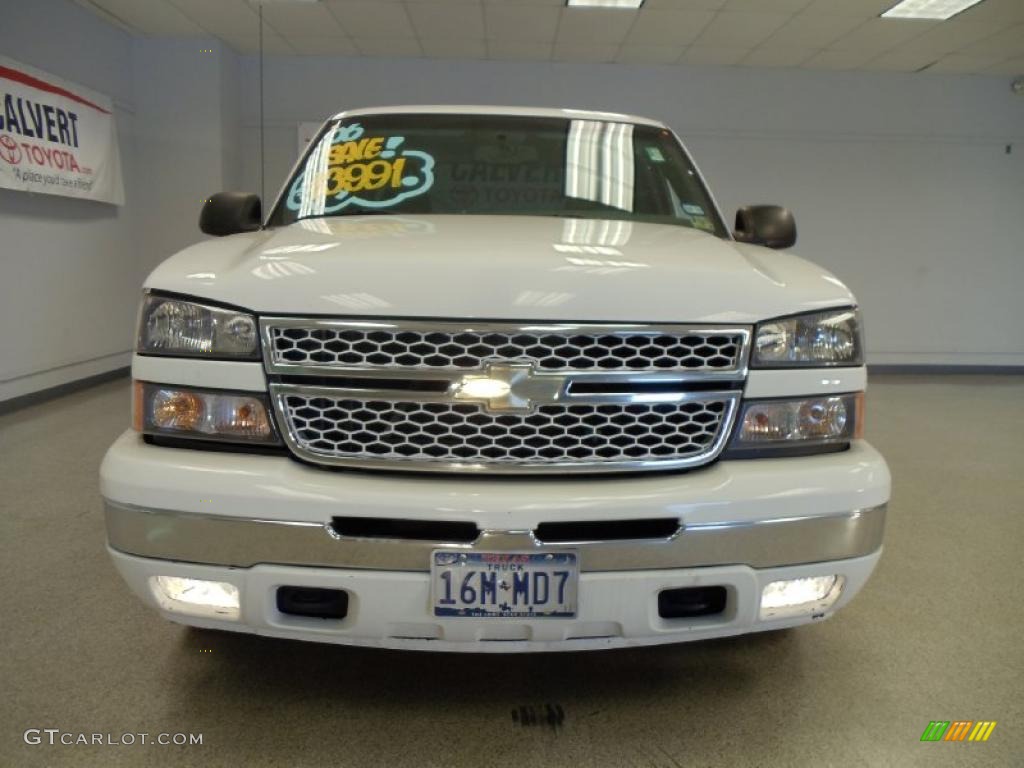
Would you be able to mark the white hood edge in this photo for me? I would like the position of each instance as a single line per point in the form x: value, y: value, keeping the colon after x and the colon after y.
x: 499, y: 268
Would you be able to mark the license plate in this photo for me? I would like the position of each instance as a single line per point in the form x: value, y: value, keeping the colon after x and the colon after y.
x: 504, y: 584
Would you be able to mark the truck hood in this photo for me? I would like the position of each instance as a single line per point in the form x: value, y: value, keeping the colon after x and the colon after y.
x: 500, y: 268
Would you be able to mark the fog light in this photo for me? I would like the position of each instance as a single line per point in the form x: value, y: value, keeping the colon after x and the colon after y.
x: 196, y: 597
x: 800, y: 597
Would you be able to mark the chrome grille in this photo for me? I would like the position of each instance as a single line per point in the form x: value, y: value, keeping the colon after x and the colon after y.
x: 503, y: 397
x: 345, y: 427
x: 456, y: 347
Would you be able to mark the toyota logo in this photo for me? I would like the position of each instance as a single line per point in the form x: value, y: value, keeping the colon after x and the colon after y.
x: 9, y: 150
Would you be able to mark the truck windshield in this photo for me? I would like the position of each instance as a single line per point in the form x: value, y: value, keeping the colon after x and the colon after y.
x: 505, y: 165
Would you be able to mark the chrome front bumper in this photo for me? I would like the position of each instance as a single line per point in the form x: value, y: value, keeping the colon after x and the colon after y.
x: 259, y: 522
x: 245, y: 542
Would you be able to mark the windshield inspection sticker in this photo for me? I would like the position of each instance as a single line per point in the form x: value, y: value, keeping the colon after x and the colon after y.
x: 353, y: 169
x: 655, y: 155
x: 693, y: 210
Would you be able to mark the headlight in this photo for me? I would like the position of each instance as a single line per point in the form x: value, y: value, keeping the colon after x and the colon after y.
x: 234, y: 417
x: 821, y: 338
x: 186, y: 328
x: 794, y: 424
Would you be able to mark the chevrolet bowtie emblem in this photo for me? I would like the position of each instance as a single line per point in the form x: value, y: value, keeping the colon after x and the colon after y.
x: 509, y: 387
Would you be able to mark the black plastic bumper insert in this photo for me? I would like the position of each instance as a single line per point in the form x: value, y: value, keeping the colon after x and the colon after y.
x: 691, y: 602
x: 313, y: 602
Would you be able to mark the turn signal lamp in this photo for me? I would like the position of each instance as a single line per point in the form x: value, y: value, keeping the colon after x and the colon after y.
x: 202, y: 414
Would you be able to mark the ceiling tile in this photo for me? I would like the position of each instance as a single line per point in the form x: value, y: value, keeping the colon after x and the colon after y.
x: 900, y: 61
x: 534, y: 3
x: 767, y: 56
x: 837, y: 60
x: 588, y: 26
x: 668, y: 28
x: 736, y: 29
x: 521, y: 22
x: 594, y: 53
x: 452, y: 19
x: 1009, y: 42
x: 224, y: 18
x: 518, y: 49
x: 683, y: 5
x: 1008, y: 67
x: 951, y: 35
x: 301, y: 19
x: 649, y: 54
x: 879, y: 35
x: 372, y: 18
x: 955, y: 63
x: 863, y: 9
x: 334, y: 45
x: 453, y: 47
x: 815, y: 34
x: 812, y: 31
x: 399, y: 47
x: 775, y: 6
x: 714, y: 55
x: 154, y: 18
x: 1003, y: 11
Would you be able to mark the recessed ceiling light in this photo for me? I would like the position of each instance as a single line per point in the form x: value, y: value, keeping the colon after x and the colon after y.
x: 628, y: 4
x: 928, y: 9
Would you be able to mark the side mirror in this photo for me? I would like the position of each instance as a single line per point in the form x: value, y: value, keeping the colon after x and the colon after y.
x: 769, y: 225
x: 227, y: 213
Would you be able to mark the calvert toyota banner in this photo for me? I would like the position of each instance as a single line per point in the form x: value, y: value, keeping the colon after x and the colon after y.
x: 56, y: 137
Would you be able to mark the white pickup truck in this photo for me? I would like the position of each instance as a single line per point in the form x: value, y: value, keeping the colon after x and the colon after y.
x: 495, y: 379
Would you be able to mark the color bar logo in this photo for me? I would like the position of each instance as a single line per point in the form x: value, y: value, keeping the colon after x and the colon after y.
x: 958, y: 730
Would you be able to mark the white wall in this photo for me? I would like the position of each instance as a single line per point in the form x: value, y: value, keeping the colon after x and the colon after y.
x: 230, y: 119
x: 68, y: 272
x: 900, y: 183
x: 187, y: 126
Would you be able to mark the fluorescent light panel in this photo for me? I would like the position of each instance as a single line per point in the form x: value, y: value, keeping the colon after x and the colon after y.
x: 928, y: 9
x: 627, y: 4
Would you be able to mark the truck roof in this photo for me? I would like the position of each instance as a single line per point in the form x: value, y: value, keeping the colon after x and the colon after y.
x: 477, y: 109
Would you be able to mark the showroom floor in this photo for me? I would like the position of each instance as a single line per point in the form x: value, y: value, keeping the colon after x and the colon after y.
x: 936, y: 635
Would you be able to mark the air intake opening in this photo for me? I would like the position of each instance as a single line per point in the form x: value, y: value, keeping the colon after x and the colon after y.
x: 607, y: 530
x: 414, y: 530
x: 313, y: 602
x: 691, y: 602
